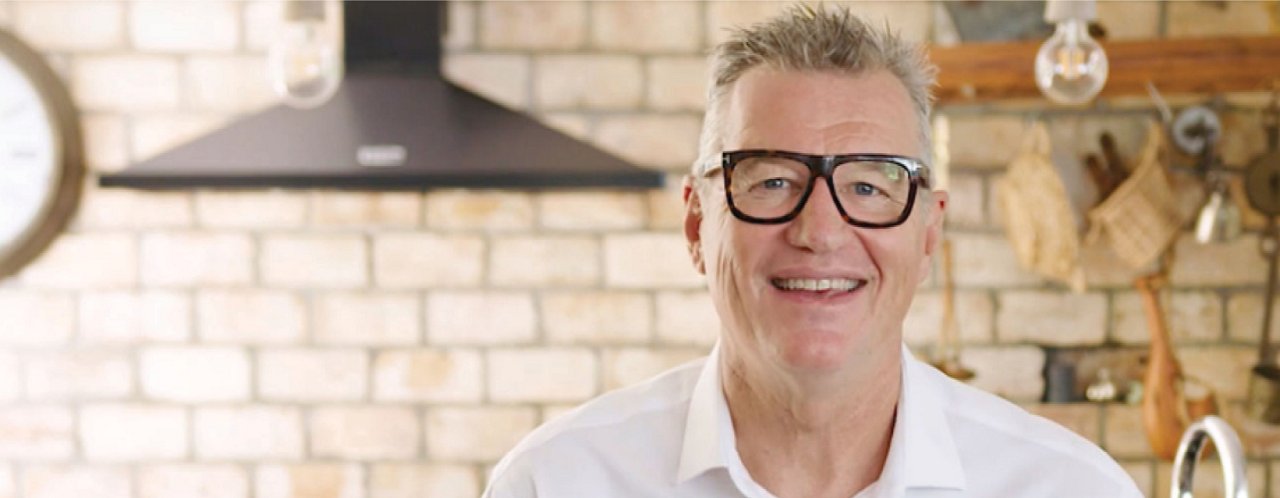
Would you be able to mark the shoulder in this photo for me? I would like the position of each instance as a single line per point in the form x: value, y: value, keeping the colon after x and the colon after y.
x: 995, y: 437
x: 601, y: 432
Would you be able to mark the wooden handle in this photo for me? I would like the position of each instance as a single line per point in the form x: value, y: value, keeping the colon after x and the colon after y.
x: 1161, y: 400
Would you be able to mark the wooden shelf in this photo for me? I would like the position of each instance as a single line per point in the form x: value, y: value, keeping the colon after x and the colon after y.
x: 982, y: 72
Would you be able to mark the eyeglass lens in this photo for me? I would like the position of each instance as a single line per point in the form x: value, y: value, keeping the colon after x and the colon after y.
x: 773, y: 187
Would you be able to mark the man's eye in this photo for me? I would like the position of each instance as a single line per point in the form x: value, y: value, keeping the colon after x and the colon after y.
x: 863, y: 188
x: 775, y: 183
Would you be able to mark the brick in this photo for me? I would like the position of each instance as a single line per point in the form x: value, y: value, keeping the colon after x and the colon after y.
x: 986, y: 260
x: 985, y: 142
x: 114, y: 208
x: 125, y: 317
x: 78, y: 374
x: 261, y: 23
x: 361, y: 319
x: 1226, y: 19
x: 250, y: 317
x: 131, y: 433
x: 125, y: 83
x: 666, y: 208
x: 597, y: 317
x: 365, y: 209
x: 1223, y: 368
x: 309, y: 480
x: 460, y: 28
x: 591, y: 210
x: 1190, y: 316
x: 658, y: 141
x: 301, y: 375
x: 248, y: 433
x: 628, y: 366
x: 314, y: 261
x: 725, y: 14
x: 967, y: 206
x: 541, y: 375
x: 533, y: 25
x: 1083, y: 419
x: 667, y: 26
x: 475, y: 210
x: 687, y: 318
x: 1104, y: 269
x: 1244, y: 317
x: 910, y: 20
x: 974, y: 313
x: 608, y: 82
x: 436, y: 480
x: 196, y: 259
x: 70, y: 26
x: 36, y: 433
x: 10, y: 378
x: 153, y: 134
x: 158, y: 26
x: 562, y: 261
x: 251, y: 209
x: 1125, y: 435
x: 480, y: 318
x: 575, y: 124
x: 649, y: 260
x: 1208, y: 479
x: 106, y: 145
x: 192, y: 480
x: 502, y: 78
x: 1009, y: 371
x: 36, y: 318
x: 226, y: 83
x: 77, y: 481
x: 1226, y: 264
x: 194, y: 374
x: 428, y: 376
x: 365, y: 433
x: 476, y: 434
x: 1051, y: 318
x: 426, y: 261
x: 677, y: 83
x: 85, y: 261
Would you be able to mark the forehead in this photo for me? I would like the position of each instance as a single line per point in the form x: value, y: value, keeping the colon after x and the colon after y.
x: 821, y: 112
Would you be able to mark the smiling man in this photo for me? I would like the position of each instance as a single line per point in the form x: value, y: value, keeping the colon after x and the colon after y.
x: 811, y: 214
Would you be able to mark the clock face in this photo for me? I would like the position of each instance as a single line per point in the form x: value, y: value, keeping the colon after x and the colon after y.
x: 29, y: 168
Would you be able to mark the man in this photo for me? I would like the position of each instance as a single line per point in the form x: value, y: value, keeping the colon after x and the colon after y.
x: 811, y: 215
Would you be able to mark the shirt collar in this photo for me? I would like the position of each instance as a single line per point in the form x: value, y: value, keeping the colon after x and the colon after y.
x: 921, y: 438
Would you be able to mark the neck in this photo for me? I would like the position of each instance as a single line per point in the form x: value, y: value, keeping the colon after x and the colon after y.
x: 825, y: 436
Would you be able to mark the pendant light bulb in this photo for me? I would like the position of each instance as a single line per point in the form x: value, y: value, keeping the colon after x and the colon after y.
x: 305, y: 60
x: 1071, y: 66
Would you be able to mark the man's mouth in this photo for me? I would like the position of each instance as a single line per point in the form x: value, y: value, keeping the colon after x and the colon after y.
x: 833, y: 285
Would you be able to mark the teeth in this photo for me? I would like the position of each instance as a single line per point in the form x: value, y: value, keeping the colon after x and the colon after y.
x: 817, y: 284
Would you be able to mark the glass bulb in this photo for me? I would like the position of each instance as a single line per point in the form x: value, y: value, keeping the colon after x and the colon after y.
x: 305, y: 60
x: 1071, y: 67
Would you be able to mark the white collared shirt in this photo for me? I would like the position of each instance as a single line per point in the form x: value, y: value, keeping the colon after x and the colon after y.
x: 672, y: 436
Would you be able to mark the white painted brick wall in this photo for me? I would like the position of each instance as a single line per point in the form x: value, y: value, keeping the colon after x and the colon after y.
x: 363, y: 319
x: 314, y: 261
x: 607, y: 82
x: 250, y: 317
x: 666, y: 26
x: 974, y: 318
x: 597, y: 317
x: 114, y: 208
x: 544, y: 261
x: 36, y: 433
x: 196, y: 258
x: 591, y: 210
x: 250, y: 209
x: 1244, y: 317
x: 156, y: 133
x: 131, y: 433
x: 227, y: 83
x: 70, y: 26
x: 533, y: 25
x: 686, y: 318
x: 248, y: 433
x: 86, y: 261
x: 123, y: 317
x: 1190, y: 316
x: 365, y: 209
x: 498, y: 77
x: 302, y: 375
x: 987, y: 260
x: 476, y: 434
x: 1054, y: 318
x: 496, y: 318
x: 660, y: 141
x: 421, y: 260
x: 478, y: 210
x: 10, y: 376
x: 106, y: 144
x: 434, y: 376
x: 677, y: 83
x: 36, y: 318
x: 365, y: 433
x: 205, y: 25
x: 125, y: 83
x: 192, y: 480
x: 418, y: 480
x: 1010, y: 371
x: 194, y: 374
x: 77, y: 481
x: 541, y: 375
x: 78, y: 374
x: 627, y: 366
x: 308, y: 480
x: 649, y: 260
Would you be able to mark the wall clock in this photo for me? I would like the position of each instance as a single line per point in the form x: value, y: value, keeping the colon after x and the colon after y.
x: 41, y: 155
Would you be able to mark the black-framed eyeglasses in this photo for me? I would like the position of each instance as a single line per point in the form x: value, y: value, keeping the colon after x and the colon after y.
x: 870, y: 190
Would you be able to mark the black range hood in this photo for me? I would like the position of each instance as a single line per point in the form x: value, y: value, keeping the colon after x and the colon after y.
x: 394, y: 123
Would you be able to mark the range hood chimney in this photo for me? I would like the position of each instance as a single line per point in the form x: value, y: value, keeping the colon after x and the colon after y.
x: 394, y: 123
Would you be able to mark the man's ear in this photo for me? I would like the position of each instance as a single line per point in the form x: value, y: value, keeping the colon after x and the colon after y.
x: 693, y: 223
x: 937, y: 213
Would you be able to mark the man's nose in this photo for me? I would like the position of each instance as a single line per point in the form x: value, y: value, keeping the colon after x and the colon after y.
x: 819, y: 226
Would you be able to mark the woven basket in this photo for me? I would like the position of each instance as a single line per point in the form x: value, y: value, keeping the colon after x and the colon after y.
x: 1141, y: 217
x: 1037, y: 213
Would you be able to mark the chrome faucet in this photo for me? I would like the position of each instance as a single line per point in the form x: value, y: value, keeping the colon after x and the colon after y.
x: 1230, y: 453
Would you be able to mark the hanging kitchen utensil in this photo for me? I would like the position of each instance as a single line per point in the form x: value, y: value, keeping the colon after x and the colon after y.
x: 1141, y: 218
x: 947, y: 355
x: 1262, y: 187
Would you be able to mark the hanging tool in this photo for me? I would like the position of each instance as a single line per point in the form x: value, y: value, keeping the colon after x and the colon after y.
x: 1262, y: 187
x: 947, y: 356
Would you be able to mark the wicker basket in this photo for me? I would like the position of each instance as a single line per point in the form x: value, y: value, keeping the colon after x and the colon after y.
x: 1037, y: 214
x: 1142, y: 217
